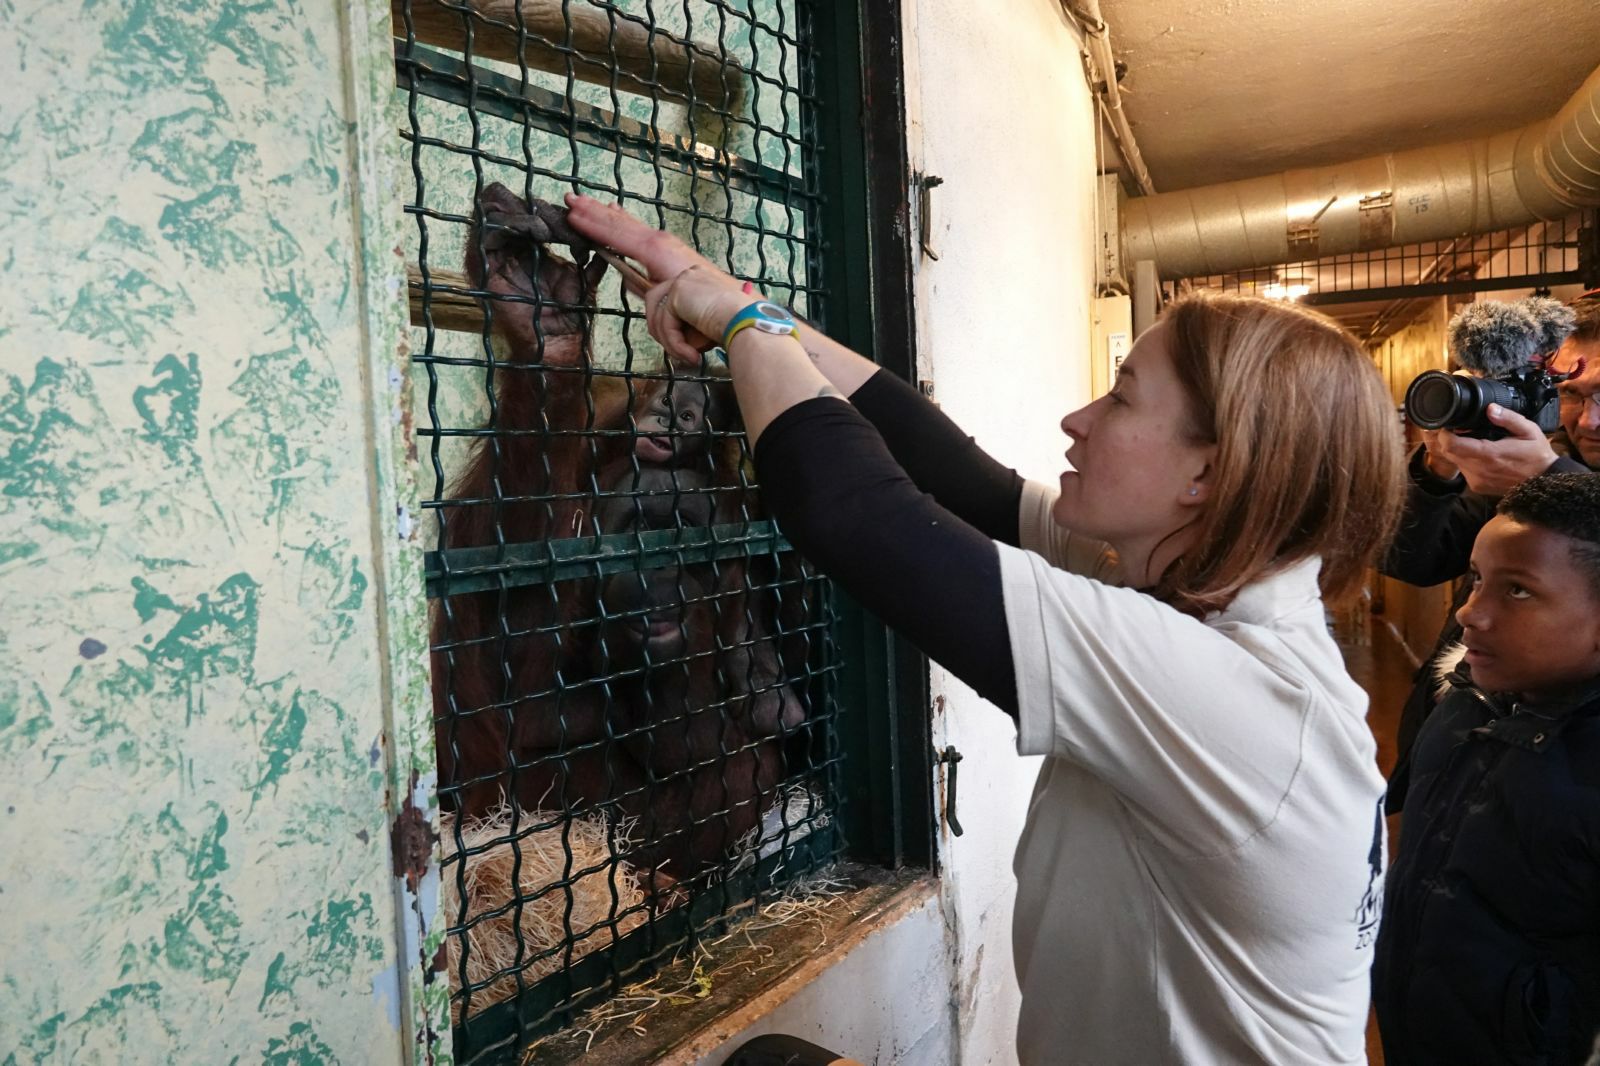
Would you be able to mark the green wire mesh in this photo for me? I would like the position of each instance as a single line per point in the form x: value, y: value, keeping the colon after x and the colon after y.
x: 634, y: 675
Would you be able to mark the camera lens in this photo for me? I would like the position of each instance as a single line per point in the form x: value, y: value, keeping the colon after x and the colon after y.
x: 1436, y: 400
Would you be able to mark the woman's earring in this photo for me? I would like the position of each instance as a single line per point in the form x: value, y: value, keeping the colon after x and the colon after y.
x: 1194, y: 490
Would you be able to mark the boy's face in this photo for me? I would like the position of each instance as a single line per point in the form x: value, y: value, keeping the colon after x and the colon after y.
x: 1532, y: 622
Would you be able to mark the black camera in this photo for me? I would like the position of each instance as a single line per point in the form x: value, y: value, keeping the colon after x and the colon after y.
x: 1436, y: 400
x: 1507, y: 346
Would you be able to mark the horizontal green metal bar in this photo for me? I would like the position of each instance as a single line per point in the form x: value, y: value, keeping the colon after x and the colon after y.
x: 446, y: 78
x: 460, y: 570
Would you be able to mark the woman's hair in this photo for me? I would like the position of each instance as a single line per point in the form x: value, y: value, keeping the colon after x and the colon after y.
x: 1309, y: 457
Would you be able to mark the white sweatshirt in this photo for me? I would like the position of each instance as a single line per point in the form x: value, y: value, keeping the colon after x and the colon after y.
x: 1200, y: 876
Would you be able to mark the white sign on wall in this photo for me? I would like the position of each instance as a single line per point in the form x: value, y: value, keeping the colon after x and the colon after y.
x: 1116, y: 352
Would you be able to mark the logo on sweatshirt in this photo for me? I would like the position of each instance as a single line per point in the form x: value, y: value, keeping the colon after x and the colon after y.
x: 1370, y: 909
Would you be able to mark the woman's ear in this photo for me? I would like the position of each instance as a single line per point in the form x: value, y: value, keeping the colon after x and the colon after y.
x: 1198, y: 490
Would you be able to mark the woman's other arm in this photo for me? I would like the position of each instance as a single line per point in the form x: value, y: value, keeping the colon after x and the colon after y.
x: 939, y: 457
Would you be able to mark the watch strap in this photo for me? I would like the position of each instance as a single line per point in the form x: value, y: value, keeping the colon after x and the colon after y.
x: 763, y: 315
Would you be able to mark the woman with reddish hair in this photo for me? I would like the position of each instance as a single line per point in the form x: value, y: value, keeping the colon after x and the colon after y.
x: 1200, y: 875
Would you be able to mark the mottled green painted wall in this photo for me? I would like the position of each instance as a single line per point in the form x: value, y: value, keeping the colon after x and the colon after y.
x: 209, y: 533
x: 204, y: 631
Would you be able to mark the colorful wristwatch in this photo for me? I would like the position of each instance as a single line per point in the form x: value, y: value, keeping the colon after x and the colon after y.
x: 763, y: 315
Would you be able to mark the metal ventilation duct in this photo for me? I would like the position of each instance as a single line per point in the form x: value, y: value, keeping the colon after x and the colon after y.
x: 1543, y: 170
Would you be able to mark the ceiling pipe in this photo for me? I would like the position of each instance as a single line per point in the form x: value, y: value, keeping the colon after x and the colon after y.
x: 1097, y: 38
x: 1544, y: 170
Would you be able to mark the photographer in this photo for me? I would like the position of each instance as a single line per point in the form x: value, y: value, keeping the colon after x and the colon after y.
x: 1456, y: 480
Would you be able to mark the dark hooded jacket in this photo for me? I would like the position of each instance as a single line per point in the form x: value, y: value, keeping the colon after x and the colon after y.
x: 1489, y: 950
x: 1434, y: 545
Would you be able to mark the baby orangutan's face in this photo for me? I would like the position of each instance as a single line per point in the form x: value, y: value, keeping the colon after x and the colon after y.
x: 1532, y: 623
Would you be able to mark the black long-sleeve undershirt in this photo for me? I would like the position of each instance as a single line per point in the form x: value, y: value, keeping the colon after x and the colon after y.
x: 842, y: 499
x: 941, y: 458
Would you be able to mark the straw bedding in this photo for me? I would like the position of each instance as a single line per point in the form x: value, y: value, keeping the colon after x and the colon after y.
x: 504, y: 864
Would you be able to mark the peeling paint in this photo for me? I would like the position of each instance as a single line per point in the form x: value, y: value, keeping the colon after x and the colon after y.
x: 386, y: 990
x: 411, y: 843
x: 277, y: 988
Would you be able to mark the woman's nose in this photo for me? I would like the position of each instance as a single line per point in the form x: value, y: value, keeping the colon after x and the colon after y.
x: 1469, y: 614
x: 1076, y: 424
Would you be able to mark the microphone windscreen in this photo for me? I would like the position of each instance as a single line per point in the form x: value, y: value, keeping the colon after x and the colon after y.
x: 1556, y: 321
x: 1494, y: 339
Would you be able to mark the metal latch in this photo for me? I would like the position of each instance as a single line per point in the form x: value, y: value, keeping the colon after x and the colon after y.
x: 951, y: 758
x: 925, y: 186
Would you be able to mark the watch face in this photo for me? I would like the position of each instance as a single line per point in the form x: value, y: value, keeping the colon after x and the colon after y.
x: 773, y: 319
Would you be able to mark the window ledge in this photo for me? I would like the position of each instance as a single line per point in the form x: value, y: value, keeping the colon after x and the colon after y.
x: 760, y: 968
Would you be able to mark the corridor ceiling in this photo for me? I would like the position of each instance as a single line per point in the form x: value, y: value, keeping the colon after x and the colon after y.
x: 1225, y: 89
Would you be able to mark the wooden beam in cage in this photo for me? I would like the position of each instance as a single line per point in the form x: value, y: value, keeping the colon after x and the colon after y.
x: 460, y: 312
x: 604, y: 47
x: 449, y: 310
x: 445, y: 76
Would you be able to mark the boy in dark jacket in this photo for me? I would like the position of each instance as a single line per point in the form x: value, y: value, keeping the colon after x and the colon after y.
x: 1455, y: 484
x: 1489, y: 951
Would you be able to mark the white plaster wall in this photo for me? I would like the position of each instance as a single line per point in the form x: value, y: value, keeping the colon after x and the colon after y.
x: 999, y: 109
x: 1004, y: 318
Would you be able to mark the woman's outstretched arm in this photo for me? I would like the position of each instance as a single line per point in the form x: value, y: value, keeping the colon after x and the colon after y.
x: 939, y: 457
x: 825, y: 470
x: 666, y: 258
x: 849, y: 507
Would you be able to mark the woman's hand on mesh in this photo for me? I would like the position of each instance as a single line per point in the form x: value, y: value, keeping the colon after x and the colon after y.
x: 608, y: 225
x: 689, y: 305
x: 694, y: 306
